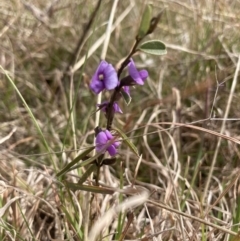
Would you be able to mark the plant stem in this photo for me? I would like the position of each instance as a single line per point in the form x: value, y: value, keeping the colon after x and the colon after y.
x: 110, y: 110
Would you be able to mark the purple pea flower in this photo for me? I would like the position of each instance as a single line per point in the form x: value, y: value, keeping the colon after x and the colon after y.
x: 103, y: 106
x: 102, y: 143
x: 138, y: 76
x: 105, y: 77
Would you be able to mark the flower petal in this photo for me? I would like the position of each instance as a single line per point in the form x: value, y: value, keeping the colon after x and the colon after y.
x: 112, y: 150
x: 101, y: 141
x: 110, y: 77
x: 117, y: 143
x: 107, y: 72
x: 96, y: 86
x: 134, y: 73
x: 117, y: 108
x: 101, y: 138
x: 127, y: 89
x: 102, y: 66
x: 108, y: 135
x: 144, y: 74
x: 100, y: 147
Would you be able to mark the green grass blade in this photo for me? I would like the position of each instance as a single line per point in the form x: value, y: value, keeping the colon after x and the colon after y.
x: 30, y: 114
x: 76, y: 160
x: 95, y: 189
x: 88, y: 172
x: 127, y: 141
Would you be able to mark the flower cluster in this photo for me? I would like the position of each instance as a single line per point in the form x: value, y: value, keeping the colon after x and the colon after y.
x: 104, y: 141
x: 106, y: 77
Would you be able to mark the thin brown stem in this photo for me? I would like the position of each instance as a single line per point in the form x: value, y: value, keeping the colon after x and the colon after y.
x: 110, y: 110
x: 126, y: 61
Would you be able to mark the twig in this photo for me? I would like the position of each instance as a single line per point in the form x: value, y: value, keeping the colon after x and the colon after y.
x: 222, y: 129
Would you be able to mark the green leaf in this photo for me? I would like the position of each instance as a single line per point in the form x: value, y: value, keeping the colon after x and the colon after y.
x: 127, y: 141
x: 145, y: 23
x: 95, y: 189
x: 86, y: 174
x: 155, y: 47
x: 76, y: 160
x: 127, y: 98
x: 153, y: 23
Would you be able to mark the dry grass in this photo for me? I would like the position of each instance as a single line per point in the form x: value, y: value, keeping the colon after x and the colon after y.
x: 184, y: 121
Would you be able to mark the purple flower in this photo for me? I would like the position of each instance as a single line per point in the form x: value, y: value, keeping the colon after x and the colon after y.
x: 138, y: 76
x: 105, y: 77
x: 102, y: 143
x: 103, y: 106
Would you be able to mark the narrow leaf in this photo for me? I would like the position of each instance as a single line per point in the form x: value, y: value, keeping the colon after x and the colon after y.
x: 35, y: 122
x: 127, y: 98
x: 155, y: 47
x: 88, y: 172
x: 76, y: 160
x: 145, y: 23
x: 95, y: 189
x: 153, y: 23
x: 6, y: 206
x: 127, y: 141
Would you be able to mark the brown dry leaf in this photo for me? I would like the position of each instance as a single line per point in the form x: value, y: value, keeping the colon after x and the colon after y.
x: 6, y: 206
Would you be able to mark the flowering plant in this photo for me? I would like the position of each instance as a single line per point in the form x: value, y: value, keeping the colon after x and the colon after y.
x: 107, y: 78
